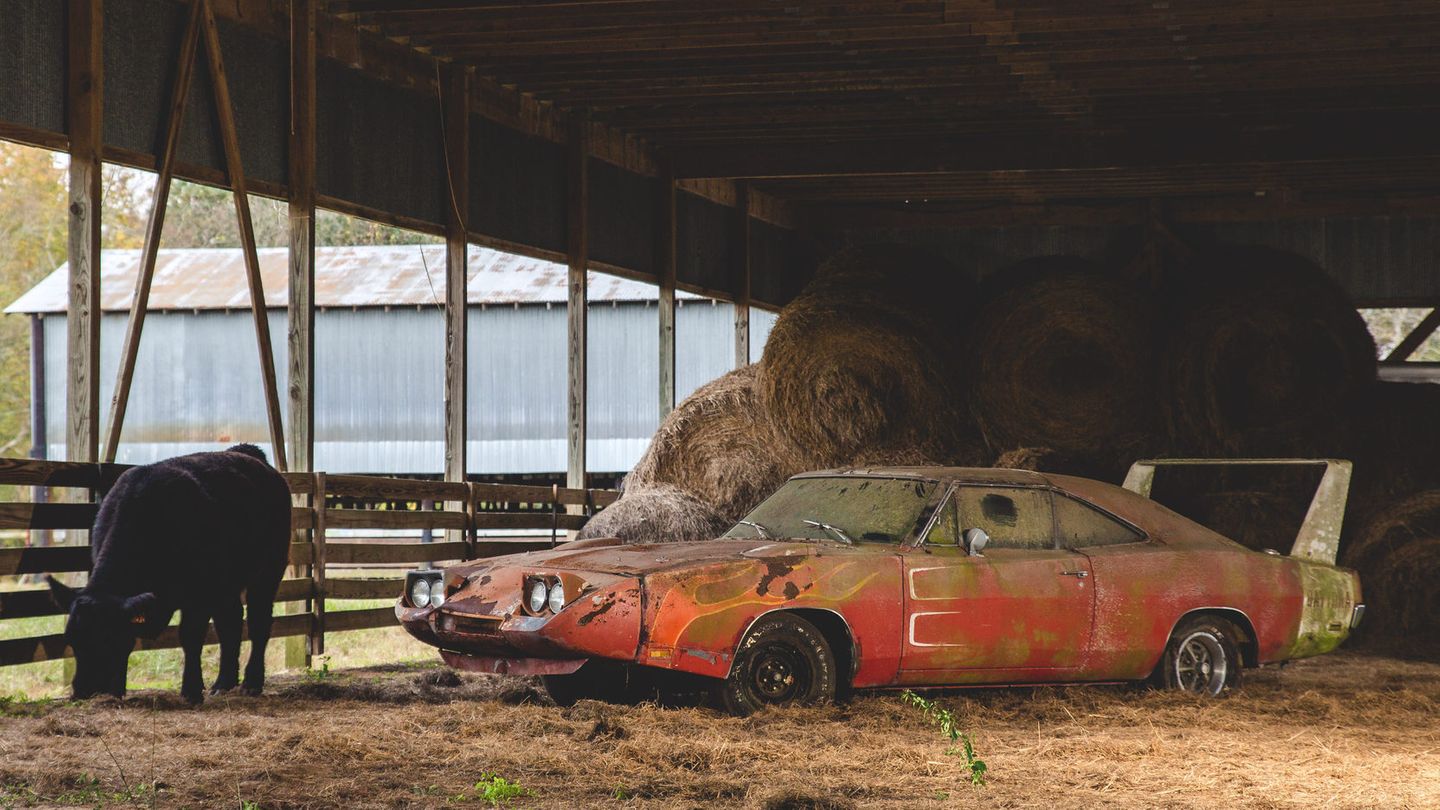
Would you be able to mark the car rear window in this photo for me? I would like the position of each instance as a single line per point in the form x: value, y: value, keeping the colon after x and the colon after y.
x: 868, y: 510
x: 1084, y: 526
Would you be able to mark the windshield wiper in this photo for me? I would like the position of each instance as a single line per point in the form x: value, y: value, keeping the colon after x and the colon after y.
x: 759, y: 529
x: 835, y: 530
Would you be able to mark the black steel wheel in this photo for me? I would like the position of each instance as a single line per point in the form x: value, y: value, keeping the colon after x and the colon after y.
x: 1202, y: 657
x: 784, y: 660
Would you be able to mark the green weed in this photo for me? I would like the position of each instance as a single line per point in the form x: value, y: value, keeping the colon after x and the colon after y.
x: 495, y: 790
x: 960, y: 744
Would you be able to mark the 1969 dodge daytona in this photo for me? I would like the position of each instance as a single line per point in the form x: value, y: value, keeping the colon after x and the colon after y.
x: 893, y: 577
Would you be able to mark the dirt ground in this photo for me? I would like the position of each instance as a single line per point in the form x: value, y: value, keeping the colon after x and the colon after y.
x: 1348, y: 730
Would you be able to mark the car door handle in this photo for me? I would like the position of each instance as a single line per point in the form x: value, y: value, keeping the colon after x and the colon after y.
x: 1080, y: 574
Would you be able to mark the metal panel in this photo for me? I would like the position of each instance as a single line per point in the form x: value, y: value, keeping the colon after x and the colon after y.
x: 32, y: 64
x: 378, y: 384
x: 381, y: 145
x: 622, y: 217
x: 517, y: 186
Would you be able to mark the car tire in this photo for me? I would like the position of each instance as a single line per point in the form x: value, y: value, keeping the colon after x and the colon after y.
x: 1202, y: 657
x: 782, y: 661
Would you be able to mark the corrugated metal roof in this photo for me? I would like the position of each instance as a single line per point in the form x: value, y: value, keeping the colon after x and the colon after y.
x: 399, y: 275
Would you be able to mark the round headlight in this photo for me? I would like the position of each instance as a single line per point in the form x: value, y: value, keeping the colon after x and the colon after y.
x: 536, y: 598
x: 437, y: 592
x: 557, y: 597
x: 420, y: 593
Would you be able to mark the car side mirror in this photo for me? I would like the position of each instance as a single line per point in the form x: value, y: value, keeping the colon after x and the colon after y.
x: 975, y: 541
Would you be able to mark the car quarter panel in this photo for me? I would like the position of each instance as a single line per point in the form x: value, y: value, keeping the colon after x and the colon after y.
x: 1142, y: 591
x: 696, y: 618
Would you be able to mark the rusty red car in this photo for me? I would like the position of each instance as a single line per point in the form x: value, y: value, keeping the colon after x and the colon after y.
x: 902, y: 577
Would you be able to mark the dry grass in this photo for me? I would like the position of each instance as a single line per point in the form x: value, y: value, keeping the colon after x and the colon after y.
x: 1344, y: 731
x: 1062, y: 355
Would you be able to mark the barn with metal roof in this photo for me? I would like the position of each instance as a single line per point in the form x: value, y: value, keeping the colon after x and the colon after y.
x: 378, y: 393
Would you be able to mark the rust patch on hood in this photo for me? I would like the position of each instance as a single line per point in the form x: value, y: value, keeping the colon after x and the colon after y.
x: 775, y: 568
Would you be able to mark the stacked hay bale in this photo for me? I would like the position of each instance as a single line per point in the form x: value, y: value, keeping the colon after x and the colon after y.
x: 860, y: 367
x: 1397, y: 554
x: 1266, y: 356
x: 1061, y: 356
x: 712, y: 460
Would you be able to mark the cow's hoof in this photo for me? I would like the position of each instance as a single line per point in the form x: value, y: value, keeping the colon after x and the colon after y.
x: 194, y: 698
x: 253, y: 690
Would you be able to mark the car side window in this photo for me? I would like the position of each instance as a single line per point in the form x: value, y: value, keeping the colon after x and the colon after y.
x: 1013, y: 517
x: 945, y: 531
x: 1084, y: 526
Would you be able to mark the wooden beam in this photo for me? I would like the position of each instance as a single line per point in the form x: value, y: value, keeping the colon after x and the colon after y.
x: 1417, y: 336
x: 301, y: 201
x: 455, y: 96
x: 742, y: 275
x: 140, y: 303
x: 85, y: 108
x: 229, y: 136
x: 665, y: 263
x: 578, y: 244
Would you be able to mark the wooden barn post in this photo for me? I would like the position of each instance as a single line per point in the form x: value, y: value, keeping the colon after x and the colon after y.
x: 230, y: 138
x: 742, y: 275
x: 154, y: 227
x: 455, y: 110
x: 665, y: 261
x: 301, y: 312
x: 578, y: 235
x: 85, y: 109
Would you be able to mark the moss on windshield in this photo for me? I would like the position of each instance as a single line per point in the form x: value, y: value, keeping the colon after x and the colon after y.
x: 872, y: 510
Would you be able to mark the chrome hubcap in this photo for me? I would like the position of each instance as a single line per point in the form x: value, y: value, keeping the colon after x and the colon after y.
x: 1201, y: 665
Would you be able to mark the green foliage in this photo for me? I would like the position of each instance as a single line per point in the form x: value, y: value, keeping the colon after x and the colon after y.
x: 321, y: 673
x: 246, y: 804
x: 960, y: 744
x: 495, y: 790
x: 89, y: 790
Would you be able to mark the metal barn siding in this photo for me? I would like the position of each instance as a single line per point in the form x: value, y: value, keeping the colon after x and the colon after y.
x: 379, y: 376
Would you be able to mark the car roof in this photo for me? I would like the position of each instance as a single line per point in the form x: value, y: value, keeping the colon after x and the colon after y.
x: 968, y: 475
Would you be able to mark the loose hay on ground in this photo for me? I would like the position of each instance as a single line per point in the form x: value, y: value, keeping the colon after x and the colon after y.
x: 1346, y: 731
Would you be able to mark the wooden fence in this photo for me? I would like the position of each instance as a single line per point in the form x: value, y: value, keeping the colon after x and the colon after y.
x: 322, y: 503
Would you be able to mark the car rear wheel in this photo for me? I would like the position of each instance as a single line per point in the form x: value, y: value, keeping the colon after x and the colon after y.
x: 784, y: 660
x: 1202, y: 657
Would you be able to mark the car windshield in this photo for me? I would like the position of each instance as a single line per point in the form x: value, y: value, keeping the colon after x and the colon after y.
x: 844, y: 508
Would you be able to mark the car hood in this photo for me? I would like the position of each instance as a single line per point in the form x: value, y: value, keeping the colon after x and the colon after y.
x: 612, y: 557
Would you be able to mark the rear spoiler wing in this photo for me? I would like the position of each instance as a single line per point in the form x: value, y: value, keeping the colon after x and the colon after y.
x: 1319, y: 536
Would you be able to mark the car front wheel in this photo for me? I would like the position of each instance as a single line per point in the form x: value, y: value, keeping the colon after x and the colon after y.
x: 1202, y: 657
x: 783, y: 660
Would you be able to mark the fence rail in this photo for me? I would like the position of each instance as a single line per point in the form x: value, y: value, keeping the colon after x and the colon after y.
x: 322, y: 502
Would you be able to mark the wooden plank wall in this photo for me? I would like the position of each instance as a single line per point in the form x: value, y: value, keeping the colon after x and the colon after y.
x: 370, y: 502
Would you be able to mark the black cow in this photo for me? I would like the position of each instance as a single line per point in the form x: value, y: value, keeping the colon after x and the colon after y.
x: 190, y: 534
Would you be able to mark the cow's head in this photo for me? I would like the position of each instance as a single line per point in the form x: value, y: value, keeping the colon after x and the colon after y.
x: 101, y: 631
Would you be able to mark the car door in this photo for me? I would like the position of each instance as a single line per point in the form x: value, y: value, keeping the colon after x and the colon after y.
x: 1022, y: 610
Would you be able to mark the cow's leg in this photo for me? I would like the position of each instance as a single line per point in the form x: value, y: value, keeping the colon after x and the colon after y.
x: 227, y: 627
x: 193, y: 624
x: 260, y: 618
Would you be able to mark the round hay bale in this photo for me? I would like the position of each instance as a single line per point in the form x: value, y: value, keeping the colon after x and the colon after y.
x: 656, y: 514
x: 1061, y: 356
x: 1397, y: 441
x: 1397, y: 553
x: 718, y: 445
x: 1267, y: 356
x: 857, y: 365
